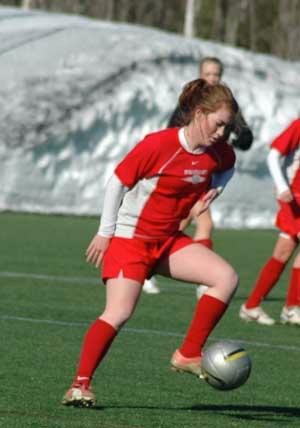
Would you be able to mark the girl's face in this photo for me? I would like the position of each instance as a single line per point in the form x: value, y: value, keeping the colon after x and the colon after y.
x: 211, y: 126
x: 211, y: 72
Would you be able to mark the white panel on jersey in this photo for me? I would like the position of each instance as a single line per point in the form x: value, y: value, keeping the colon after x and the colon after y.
x: 133, y: 204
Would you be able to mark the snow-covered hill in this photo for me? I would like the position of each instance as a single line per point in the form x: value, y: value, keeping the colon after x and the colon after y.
x: 76, y: 94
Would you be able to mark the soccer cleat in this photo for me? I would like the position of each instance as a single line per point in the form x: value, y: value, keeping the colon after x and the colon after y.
x: 150, y: 286
x: 182, y: 364
x: 79, y: 396
x: 200, y: 290
x: 290, y: 315
x: 256, y: 314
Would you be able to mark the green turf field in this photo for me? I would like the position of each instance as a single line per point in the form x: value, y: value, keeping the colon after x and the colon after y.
x: 49, y: 295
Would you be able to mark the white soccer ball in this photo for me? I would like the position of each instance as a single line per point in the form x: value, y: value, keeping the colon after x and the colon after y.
x: 226, y: 365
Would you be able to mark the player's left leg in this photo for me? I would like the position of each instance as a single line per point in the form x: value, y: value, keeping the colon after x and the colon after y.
x: 291, y: 311
x: 195, y: 263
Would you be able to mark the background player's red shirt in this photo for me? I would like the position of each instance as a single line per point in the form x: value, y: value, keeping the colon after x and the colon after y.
x: 288, y: 144
x: 165, y: 180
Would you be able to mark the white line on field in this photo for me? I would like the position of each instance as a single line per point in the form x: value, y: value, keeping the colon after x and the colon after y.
x: 142, y: 331
x: 70, y: 279
x: 48, y: 277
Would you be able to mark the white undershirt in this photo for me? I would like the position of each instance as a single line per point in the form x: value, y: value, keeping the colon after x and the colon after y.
x: 113, y: 197
x: 273, y: 161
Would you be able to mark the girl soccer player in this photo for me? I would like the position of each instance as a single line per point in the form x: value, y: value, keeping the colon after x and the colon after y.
x: 240, y: 136
x: 150, y: 192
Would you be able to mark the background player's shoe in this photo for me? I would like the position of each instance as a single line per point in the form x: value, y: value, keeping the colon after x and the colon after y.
x: 200, y: 290
x: 256, y: 314
x: 150, y: 286
x: 79, y: 396
x: 290, y: 315
x: 182, y: 364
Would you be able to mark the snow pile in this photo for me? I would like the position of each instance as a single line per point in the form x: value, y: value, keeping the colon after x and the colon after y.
x: 77, y: 94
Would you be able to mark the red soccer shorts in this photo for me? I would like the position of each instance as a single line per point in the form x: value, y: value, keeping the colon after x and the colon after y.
x: 136, y: 258
x: 288, y: 218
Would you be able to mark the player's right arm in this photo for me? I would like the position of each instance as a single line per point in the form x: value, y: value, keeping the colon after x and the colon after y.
x: 137, y: 164
x: 115, y: 191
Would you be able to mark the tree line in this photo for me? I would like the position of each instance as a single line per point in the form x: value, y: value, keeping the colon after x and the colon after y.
x: 264, y: 26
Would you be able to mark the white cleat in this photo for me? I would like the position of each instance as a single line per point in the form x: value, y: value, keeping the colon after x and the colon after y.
x: 79, y: 396
x: 200, y: 290
x: 150, y: 286
x: 256, y: 314
x: 290, y: 315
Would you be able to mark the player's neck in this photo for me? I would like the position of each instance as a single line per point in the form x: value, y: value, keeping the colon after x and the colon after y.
x: 191, y: 138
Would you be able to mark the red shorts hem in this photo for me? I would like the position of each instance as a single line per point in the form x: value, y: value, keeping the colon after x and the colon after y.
x: 288, y: 218
x: 136, y: 258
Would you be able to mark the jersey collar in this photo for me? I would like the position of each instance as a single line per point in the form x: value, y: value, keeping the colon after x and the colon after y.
x: 184, y: 144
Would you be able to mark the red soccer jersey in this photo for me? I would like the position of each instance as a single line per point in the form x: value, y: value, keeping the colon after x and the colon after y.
x: 288, y: 144
x: 165, y: 180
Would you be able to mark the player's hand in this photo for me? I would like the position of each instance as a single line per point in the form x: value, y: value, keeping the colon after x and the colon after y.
x: 205, y: 201
x: 286, y: 196
x: 96, y: 249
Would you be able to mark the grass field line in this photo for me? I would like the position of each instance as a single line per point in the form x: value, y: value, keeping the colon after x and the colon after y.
x: 70, y: 279
x: 143, y: 331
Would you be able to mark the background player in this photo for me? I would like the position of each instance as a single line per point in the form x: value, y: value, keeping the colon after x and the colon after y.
x: 283, y: 162
x: 151, y: 191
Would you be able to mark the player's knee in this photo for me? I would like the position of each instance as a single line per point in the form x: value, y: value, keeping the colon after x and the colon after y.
x: 232, y: 279
x: 119, y: 317
x: 283, y: 255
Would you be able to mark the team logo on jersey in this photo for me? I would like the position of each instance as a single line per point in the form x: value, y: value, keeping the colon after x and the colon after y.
x: 195, y: 176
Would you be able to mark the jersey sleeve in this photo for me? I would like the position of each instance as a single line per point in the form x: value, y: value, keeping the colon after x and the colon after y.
x: 139, y: 163
x: 289, y: 139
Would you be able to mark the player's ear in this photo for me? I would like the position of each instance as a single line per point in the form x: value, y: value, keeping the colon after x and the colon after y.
x: 198, y: 114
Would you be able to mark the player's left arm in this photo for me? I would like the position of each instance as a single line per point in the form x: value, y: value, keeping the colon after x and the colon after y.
x: 226, y: 161
x: 221, y: 179
x: 218, y: 184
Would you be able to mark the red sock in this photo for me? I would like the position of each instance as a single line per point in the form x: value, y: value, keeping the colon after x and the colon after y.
x: 208, y: 312
x: 268, y: 277
x: 206, y: 242
x: 96, y: 343
x: 293, y: 290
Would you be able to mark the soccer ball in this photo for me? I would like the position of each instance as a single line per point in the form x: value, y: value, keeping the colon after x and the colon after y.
x: 225, y: 365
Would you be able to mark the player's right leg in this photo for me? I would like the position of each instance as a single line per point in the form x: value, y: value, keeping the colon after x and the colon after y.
x: 124, y: 269
x: 122, y: 295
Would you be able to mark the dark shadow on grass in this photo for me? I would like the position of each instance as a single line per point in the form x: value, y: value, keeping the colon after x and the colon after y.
x: 243, y: 412
x: 239, y: 411
x: 248, y: 412
x: 268, y: 299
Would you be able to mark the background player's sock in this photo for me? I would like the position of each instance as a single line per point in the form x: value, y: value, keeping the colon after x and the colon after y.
x: 268, y: 277
x: 293, y: 293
